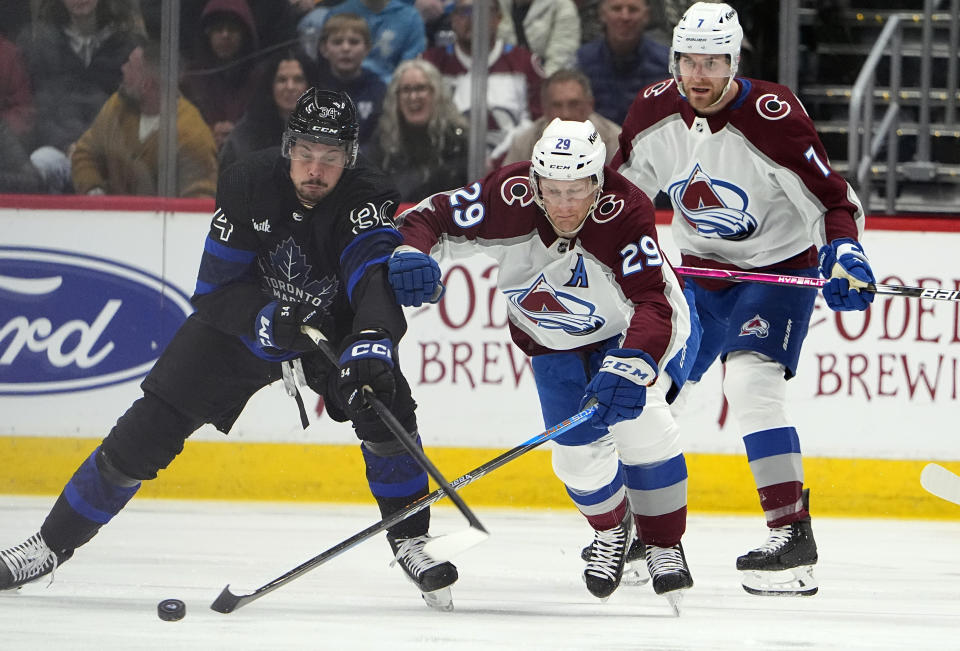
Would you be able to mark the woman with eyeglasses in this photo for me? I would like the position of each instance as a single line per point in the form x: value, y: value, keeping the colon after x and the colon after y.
x: 421, y: 140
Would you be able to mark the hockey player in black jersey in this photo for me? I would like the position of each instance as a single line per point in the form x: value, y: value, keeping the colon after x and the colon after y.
x: 299, y: 238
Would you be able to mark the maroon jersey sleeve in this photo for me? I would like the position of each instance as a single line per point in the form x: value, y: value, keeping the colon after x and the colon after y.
x: 629, y: 246
x: 498, y: 206
x: 774, y: 120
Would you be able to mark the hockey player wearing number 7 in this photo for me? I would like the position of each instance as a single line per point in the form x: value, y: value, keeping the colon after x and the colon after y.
x: 593, y: 302
x: 751, y: 189
x: 299, y: 238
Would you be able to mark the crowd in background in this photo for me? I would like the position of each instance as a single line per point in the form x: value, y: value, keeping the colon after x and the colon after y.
x: 80, y: 82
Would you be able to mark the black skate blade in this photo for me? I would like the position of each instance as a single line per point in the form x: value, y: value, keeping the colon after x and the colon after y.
x: 228, y: 602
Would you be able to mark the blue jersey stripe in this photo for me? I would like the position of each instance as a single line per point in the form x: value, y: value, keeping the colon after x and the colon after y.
x: 373, y: 247
x: 648, y: 477
x: 400, y: 489
x: 213, y: 247
x: 771, y: 442
x: 597, y: 496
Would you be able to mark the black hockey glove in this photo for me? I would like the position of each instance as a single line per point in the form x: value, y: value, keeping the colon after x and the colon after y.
x: 366, y: 361
x: 278, y: 326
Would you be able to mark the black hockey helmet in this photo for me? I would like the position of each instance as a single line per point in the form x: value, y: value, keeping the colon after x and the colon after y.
x: 327, y: 117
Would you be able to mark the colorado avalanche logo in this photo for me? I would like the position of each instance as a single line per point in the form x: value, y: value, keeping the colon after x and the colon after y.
x: 756, y: 326
x: 554, y: 310
x: 287, y: 278
x: 608, y: 207
x: 715, y: 209
x: 658, y: 88
x: 772, y: 107
x: 516, y: 189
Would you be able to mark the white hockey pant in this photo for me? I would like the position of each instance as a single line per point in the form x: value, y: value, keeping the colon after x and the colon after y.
x: 653, y: 436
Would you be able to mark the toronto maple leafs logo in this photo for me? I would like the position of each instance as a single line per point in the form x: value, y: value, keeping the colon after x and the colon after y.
x: 716, y: 209
x: 287, y: 277
x: 554, y: 310
x: 757, y: 326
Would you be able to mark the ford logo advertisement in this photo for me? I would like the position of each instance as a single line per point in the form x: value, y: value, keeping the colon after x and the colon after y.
x: 70, y: 322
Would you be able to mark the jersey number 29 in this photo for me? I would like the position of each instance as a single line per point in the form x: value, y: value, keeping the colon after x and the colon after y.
x: 643, y: 252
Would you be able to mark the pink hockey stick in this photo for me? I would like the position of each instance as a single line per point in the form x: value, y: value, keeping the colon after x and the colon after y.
x: 935, y: 293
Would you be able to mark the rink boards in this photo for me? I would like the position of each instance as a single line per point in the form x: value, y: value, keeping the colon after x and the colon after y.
x: 93, y: 288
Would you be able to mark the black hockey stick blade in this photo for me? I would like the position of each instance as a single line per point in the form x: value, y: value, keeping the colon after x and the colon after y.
x: 228, y: 602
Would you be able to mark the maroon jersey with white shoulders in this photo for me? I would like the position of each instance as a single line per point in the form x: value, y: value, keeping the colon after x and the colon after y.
x: 751, y: 186
x: 562, y: 294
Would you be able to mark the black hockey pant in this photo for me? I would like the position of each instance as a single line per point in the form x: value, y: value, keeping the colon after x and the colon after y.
x: 207, y: 376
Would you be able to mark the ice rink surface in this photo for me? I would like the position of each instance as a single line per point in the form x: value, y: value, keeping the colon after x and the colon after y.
x: 884, y: 584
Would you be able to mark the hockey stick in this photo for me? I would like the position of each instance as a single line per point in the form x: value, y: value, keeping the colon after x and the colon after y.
x: 442, y: 547
x: 815, y: 283
x: 228, y: 602
x: 941, y: 482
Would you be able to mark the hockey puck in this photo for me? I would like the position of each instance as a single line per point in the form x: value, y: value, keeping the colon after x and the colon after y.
x: 171, y: 610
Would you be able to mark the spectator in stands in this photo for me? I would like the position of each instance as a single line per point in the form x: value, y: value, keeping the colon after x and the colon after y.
x: 16, y: 97
x: 513, y: 78
x: 590, y: 27
x: 421, y: 142
x: 220, y: 80
x: 436, y: 21
x: 396, y: 28
x: 344, y: 44
x: 276, y: 21
x: 73, y: 53
x: 566, y: 95
x: 17, y: 174
x: 119, y: 153
x: 282, y: 80
x: 548, y: 28
x: 623, y: 62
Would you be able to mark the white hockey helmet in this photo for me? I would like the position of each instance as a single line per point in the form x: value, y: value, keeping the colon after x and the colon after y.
x: 568, y: 150
x: 707, y: 28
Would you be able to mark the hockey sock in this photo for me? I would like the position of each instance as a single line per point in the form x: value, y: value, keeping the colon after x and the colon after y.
x: 395, y: 481
x: 604, y: 507
x: 658, y: 496
x: 96, y: 492
x: 777, y: 467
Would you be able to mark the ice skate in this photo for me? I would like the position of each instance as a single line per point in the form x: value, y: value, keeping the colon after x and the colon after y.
x: 635, y: 570
x: 607, y: 557
x: 670, y: 573
x: 783, y: 565
x: 28, y: 561
x: 432, y: 577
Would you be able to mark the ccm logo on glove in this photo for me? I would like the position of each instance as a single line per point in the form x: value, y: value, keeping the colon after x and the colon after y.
x: 620, y: 386
x: 278, y: 326
x: 366, y: 362
x: 635, y: 370
x: 367, y: 349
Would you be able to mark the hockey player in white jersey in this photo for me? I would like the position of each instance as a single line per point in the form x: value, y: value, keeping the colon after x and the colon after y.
x: 601, y: 313
x: 751, y: 189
